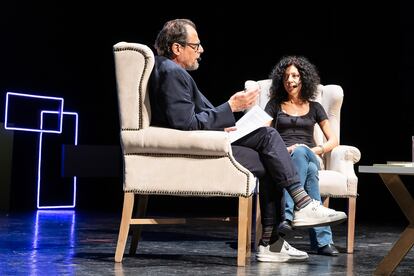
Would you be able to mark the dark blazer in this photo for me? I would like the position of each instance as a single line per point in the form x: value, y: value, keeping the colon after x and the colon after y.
x: 177, y: 103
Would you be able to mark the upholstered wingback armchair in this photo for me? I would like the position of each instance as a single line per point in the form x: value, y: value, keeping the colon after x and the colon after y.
x: 337, y: 178
x: 162, y: 161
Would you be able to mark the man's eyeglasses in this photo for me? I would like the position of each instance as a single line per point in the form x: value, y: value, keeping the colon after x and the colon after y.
x: 194, y: 46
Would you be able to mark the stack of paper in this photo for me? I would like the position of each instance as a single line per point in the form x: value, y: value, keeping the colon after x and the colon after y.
x: 397, y: 164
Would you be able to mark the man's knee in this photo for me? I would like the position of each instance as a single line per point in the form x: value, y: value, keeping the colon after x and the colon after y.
x: 270, y: 134
x: 268, y: 131
x: 250, y: 159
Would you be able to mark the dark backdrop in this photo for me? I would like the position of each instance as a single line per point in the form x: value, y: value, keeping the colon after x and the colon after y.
x: 65, y: 50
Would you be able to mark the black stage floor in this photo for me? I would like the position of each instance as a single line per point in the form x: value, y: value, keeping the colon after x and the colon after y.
x: 83, y: 243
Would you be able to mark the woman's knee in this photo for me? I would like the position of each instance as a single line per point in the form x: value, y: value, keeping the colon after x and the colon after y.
x: 300, y: 152
x: 313, y: 168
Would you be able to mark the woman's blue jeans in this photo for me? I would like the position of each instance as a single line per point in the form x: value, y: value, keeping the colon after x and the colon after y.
x: 307, y: 166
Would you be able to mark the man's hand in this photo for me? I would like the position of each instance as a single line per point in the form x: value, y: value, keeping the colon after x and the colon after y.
x: 243, y: 100
x: 228, y: 129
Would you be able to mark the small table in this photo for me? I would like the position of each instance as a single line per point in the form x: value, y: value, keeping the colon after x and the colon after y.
x: 391, y: 177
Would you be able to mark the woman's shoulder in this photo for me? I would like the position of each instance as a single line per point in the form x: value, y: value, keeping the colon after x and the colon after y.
x: 272, y: 107
x: 318, y: 110
x: 272, y: 104
x: 315, y: 105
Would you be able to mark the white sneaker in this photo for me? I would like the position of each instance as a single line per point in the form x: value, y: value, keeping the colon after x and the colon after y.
x: 315, y: 214
x: 280, y: 252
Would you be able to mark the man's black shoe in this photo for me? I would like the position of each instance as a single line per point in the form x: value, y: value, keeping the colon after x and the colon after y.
x: 328, y: 250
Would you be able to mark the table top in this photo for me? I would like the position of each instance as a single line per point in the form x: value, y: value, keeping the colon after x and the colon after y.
x: 391, y: 169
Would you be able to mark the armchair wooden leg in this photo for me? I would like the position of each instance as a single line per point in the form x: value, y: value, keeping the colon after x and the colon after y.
x: 258, y: 224
x: 136, y: 232
x: 249, y: 228
x: 325, y: 202
x: 124, y: 227
x: 242, y: 230
x: 351, y: 225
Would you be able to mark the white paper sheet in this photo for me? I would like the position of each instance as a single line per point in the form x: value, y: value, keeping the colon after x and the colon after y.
x: 256, y: 117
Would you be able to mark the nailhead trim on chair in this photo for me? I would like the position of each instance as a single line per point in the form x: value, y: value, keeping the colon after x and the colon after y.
x: 237, y: 167
x: 186, y: 193
x: 193, y: 156
x: 179, y: 155
x: 130, y: 129
x: 140, y: 83
x: 338, y: 196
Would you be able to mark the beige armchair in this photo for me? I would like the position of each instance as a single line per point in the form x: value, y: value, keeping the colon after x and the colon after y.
x: 337, y: 178
x: 161, y: 161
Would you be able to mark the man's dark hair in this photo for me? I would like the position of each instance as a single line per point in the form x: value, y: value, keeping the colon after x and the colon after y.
x: 173, y: 31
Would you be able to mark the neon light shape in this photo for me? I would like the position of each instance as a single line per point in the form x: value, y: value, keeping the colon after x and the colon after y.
x: 40, y: 162
x: 61, y: 215
x: 59, y: 111
x: 65, y: 221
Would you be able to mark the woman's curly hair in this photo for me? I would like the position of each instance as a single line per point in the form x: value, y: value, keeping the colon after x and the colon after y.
x: 308, y: 75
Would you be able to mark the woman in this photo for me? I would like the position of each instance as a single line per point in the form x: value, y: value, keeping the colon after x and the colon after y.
x: 294, y: 86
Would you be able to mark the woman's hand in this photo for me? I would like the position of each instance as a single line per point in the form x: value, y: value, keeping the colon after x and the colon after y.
x: 291, y: 148
x: 318, y: 150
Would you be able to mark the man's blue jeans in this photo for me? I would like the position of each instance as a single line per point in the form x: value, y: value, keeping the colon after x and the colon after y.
x: 307, y: 166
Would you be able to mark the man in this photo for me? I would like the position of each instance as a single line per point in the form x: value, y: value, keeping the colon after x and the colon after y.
x: 177, y: 103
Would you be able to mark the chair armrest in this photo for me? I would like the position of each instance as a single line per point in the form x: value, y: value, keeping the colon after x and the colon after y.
x: 343, y: 158
x: 159, y: 140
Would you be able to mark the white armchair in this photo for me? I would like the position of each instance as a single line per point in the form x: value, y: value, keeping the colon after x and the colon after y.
x: 337, y: 178
x: 162, y: 161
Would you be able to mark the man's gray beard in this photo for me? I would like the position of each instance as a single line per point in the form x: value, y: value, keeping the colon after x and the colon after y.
x: 193, y: 67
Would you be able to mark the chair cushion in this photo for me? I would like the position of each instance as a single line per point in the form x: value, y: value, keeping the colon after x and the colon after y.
x: 334, y: 184
x: 184, y: 175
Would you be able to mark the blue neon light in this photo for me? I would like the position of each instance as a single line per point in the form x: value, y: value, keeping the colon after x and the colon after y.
x: 44, y: 129
x: 54, y: 215
x: 40, y: 161
x: 40, y: 129
x: 45, y: 222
